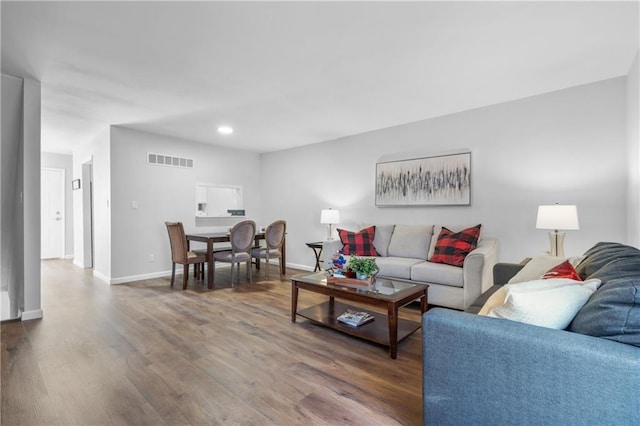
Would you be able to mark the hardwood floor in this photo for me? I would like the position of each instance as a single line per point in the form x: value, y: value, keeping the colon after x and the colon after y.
x: 146, y: 354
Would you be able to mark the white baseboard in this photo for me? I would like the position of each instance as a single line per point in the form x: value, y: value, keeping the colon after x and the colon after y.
x: 5, y: 306
x: 161, y: 274
x: 30, y: 315
x: 68, y: 256
x: 101, y: 277
x: 301, y: 267
x: 78, y: 263
x: 140, y: 277
x: 293, y: 266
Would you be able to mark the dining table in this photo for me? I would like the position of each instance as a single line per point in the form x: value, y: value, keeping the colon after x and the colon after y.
x: 210, y: 238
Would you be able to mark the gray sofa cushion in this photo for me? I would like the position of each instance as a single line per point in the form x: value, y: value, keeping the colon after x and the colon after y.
x: 382, y: 239
x: 396, y: 267
x: 603, y: 253
x: 437, y: 273
x: 411, y: 241
x: 613, y: 312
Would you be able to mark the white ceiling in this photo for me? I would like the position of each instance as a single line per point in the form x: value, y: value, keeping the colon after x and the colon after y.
x: 288, y: 74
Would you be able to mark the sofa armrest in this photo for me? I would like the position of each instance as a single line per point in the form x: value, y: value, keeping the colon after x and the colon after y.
x: 477, y: 269
x: 481, y: 370
x: 503, y: 271
x: 329, y: 248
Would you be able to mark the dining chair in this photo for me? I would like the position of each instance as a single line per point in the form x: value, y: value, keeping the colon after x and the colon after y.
x: 241, y: 238
x: 180, y: 254
x: 274, y: 237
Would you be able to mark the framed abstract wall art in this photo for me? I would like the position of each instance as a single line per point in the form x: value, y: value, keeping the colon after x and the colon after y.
x: 431, y: 181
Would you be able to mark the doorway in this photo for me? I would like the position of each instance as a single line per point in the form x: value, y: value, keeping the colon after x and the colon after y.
x: 52, y: 214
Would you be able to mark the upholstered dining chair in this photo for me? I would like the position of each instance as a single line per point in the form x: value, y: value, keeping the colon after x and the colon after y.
x: 274, y: 237
x: 180, y: 254
x: 241, y: 238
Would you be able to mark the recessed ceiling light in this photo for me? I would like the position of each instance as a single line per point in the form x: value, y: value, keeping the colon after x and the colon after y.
x: 225, y: 130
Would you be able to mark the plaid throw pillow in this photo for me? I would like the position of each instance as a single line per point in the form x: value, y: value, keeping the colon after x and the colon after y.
x: 452, y: 248
x: 358, y: 243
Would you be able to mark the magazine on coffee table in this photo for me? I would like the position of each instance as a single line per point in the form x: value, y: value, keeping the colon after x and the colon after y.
x: 355, y: 318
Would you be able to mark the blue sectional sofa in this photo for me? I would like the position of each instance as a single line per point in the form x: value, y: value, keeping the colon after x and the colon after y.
x: 490, y: 371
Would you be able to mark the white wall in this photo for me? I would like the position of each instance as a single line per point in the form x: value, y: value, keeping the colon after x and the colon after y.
x: 31, y: 198
x: 65, y: 162
x: 567, y: 147
x: 20, y: 197
x: 633, y: 137
x: 12, y: 249
x: 167, y: 194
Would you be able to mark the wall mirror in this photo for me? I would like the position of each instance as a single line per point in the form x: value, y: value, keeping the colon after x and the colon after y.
x: 218, y: 200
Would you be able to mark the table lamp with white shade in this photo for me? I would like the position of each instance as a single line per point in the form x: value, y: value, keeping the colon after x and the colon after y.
x: 557, y: 217
x: 329, y: 217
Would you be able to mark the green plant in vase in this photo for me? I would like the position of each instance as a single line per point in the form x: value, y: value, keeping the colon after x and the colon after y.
x: 364, y: 267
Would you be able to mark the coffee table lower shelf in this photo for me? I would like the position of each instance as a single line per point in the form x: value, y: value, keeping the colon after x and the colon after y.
x: 375, y: 331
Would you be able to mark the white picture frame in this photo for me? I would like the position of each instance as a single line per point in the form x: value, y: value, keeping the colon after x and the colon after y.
x: 442, y: 180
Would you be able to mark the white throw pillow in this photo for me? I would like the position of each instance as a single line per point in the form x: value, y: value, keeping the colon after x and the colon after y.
x: 551, y: 303
x: 495, y: 300
x: 536, y: 268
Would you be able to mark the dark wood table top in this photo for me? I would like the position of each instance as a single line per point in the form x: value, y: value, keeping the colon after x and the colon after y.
x: 383, y: 290
x: 216, y: 237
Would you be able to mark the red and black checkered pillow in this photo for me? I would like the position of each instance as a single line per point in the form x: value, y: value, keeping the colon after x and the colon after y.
x: 452, y: 248
x: 358, y: 243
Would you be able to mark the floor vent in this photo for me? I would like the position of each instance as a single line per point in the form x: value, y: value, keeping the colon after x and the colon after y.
x: 169, y: 160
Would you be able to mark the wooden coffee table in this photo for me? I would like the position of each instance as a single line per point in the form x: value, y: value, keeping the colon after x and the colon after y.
x: 386, y: 330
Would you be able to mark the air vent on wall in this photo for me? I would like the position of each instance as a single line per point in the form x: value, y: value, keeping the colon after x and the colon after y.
x: 169, y: 160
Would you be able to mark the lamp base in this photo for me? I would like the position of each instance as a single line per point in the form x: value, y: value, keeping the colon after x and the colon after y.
x: 557, y: 243
x: 329, y: 233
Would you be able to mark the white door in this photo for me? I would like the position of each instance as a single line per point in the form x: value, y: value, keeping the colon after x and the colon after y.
x: 52, y: 213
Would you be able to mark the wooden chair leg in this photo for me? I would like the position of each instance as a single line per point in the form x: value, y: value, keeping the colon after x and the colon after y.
x: 266, y: 266
x: 280, y: 267
x: 173, y: 272
x: 185, y: 276
x: 249, y: 270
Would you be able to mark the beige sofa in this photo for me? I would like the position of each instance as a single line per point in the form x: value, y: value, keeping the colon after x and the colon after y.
x: 404, y: 250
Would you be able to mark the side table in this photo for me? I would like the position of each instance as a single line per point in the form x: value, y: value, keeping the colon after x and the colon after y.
x: 316, y: 246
